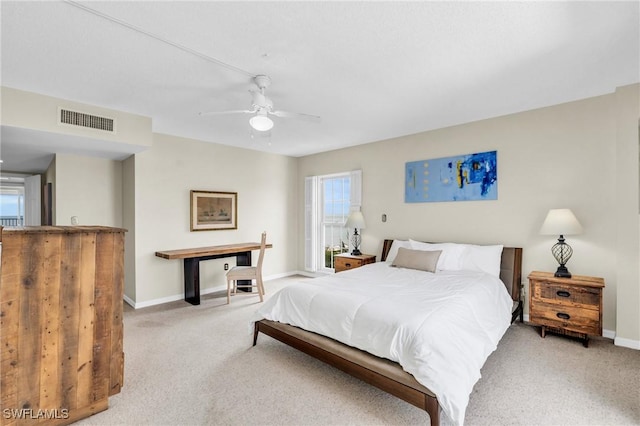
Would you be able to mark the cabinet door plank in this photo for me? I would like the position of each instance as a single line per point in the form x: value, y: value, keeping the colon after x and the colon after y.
x: 49, y: 369
x: 29, y: 335
x: 9, y: 323
x: 117, y: 327
x: 102, y: 322
x: 69, y: 319
x: 87, y: 275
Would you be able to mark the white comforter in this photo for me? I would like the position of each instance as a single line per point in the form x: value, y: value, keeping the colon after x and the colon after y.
x: 439, y: 327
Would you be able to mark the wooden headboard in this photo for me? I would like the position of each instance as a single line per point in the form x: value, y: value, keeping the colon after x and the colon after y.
x: 510, y: 267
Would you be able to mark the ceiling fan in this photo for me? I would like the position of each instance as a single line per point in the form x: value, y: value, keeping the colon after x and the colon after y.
x: 262, y: 108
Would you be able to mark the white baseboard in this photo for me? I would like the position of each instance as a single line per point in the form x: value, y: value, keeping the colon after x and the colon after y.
x: 129, y: 301
x: 627, y: 343
x: 278, y: 276
x: 173, y: 298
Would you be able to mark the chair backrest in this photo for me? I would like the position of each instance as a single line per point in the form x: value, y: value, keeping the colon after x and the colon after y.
x: 263, y: 244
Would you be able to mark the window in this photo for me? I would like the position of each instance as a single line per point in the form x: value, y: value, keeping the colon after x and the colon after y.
x: 328, y: 201
x: 11, y: 205
x: 335, y: 210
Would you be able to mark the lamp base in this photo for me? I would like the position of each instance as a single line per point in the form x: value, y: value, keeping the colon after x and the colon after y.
x: 562, y: 272
x: 356, y: 239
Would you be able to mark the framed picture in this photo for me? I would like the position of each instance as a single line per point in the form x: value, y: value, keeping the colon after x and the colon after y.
x: 468, y: 177
x: 211, y: 211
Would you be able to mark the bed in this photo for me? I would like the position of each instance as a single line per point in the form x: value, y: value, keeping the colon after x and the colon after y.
x: 364, y: 353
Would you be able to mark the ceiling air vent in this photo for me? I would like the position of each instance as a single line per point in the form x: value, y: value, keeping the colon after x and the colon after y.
x: 81, y: 119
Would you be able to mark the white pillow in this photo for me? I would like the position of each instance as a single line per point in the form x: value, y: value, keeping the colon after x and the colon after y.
x: 483, y: 258
x: 452, y: 254
x: 393, y: 251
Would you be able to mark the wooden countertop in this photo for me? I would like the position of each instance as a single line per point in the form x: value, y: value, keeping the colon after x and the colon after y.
x: 58, y: 229
x: 209, y: 251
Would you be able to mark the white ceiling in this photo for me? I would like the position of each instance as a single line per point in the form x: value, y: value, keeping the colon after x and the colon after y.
x: 371, y: 70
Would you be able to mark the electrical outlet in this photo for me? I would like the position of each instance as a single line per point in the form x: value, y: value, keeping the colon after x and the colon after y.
x: 226, y: 266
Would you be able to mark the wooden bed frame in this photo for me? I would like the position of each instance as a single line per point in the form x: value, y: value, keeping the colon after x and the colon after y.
x: 382, y: 373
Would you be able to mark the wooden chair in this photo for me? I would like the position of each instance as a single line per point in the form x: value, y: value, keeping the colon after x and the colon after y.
x: 247, y: 273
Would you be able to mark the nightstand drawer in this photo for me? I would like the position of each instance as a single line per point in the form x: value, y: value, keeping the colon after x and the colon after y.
x: 344, y: 262
x: 587, y: 297
x: 566, y: 317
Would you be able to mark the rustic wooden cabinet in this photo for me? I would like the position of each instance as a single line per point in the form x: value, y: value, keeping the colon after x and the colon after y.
x: 345, y: 261
x: 569, y: 306
x: 61, y: 330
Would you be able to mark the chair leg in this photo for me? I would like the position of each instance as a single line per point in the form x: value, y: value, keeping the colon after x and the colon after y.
x: 232, y: 288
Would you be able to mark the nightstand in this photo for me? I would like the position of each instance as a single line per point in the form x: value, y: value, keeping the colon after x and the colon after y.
x: 345, y: 261
x: 567, y: 306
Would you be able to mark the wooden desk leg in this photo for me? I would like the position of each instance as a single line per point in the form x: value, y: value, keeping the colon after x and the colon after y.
x: 192, y: 280
x: 244, y: 259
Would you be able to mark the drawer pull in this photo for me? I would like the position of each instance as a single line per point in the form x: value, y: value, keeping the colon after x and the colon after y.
x: 348, y: 265
x: 563, y: 293
x: 562, y: 315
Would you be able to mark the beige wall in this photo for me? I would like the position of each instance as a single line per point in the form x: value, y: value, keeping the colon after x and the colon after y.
x: 626, y: 215
x: 129, y: 223
x: 561, y: 156
x: 39, y: 112
x: 89, y: 188
x: 164, y: 176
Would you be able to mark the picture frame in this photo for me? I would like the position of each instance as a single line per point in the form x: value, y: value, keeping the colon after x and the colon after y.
x: 470, y: 177
x: 214, y: 210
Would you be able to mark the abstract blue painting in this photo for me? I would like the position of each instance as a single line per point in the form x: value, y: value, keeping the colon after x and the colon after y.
x: 460, y: 178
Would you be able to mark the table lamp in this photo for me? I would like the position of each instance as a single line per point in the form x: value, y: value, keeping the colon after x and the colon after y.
x: 355, y: 221
x: 561, y: 222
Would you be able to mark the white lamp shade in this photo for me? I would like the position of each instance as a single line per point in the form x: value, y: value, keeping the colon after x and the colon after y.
x: 355, y: 220
x: 561, y: 222
x: 261, y: 122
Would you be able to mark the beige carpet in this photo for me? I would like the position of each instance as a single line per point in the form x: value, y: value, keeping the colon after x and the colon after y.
x: 194, y: 365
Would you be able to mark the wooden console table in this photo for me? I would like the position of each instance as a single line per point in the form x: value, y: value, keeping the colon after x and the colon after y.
x: 193, y: 256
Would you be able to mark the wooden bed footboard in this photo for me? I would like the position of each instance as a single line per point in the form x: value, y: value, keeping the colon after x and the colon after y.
x: 382, y: 373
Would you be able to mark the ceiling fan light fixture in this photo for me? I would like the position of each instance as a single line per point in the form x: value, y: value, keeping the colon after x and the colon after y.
x: 261, y: 122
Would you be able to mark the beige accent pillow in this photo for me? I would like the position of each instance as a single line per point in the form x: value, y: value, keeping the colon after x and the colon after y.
x: 417, y: 259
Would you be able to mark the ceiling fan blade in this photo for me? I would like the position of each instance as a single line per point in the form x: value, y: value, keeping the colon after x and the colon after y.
x: 238, y: 111
x: 299, y: 115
